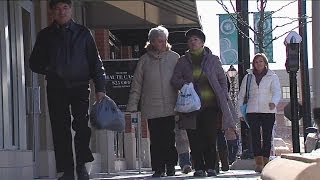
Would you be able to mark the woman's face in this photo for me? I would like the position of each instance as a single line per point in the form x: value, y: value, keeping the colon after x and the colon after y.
x: 259, y: 64
x: 195, y: 43
x: 160, y: 43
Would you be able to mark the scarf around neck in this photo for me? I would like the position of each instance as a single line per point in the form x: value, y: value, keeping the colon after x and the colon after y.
x: 258, y: 75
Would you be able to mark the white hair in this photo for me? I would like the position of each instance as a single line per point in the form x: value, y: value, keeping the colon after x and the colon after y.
x: 158, y: 31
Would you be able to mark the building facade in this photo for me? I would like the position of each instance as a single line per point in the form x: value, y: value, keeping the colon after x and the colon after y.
x: 26, y: 149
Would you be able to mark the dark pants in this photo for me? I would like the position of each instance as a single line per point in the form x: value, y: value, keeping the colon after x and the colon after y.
x: 222, y: 149
x: 162, y: 143
x: 60, y: 99
x: 233, y: 148
x: 266, y: 122
x: 203, y: 140
x: 184, y: 159
x: 246, y: 141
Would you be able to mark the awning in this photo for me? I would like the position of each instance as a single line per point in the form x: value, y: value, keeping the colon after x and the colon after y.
x: 141, y: 14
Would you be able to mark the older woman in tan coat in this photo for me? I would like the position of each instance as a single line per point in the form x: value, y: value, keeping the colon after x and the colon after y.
x: 151, y: 86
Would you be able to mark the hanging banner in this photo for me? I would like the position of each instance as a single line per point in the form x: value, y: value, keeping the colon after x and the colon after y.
x: 267, y: 34
x: 228, y: 39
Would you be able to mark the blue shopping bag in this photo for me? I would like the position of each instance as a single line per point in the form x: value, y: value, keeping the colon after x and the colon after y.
x: 106, y: 115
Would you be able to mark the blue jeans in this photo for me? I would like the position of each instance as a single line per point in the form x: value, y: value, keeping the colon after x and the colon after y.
x: 184, y: 159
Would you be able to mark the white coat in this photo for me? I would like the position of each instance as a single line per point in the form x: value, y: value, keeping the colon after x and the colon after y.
x: 268, y: 91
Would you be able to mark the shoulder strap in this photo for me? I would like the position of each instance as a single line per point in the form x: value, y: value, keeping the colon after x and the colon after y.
x: 246, y: 97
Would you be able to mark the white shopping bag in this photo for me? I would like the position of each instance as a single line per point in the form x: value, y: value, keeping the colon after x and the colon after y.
x: 188, y: 99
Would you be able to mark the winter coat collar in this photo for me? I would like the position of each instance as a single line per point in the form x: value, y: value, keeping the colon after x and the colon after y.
x: 269, y: 73
x: 70, y: 25
x: 206, y: 52
x: 157, y: 56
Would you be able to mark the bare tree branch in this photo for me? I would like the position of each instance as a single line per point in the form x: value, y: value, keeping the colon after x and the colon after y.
x: 260, y: 32
x: 283, y: 25
x: 277, y: 37
x: 234, y: 9
x: 293, y: 1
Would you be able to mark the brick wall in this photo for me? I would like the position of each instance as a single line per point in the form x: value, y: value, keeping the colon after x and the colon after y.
x: 126, y: 52
x: 144, y: 128
x: 129, y: 127
x: 102, y: 40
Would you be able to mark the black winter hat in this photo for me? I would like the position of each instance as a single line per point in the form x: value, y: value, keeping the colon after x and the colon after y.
x: 52, y: 3
x: 196, y: 32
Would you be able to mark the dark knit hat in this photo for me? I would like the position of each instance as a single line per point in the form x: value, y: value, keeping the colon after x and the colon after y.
x: 196, y: 32
x: 52, y: 3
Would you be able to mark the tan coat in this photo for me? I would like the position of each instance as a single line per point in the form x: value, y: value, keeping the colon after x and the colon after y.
x: 151, y: 85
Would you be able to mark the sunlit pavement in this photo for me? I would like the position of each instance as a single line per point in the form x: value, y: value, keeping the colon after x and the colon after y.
x: 146, y: 174
x: 232, y: 174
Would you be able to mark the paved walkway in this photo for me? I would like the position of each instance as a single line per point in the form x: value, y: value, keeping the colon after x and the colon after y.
x: 146, y: 174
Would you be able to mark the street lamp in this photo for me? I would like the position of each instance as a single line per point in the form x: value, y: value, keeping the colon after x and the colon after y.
x: 232, y: 73
x: 245, y: 132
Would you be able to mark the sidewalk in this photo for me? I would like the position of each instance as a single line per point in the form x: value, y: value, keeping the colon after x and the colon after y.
x: 146, y: 174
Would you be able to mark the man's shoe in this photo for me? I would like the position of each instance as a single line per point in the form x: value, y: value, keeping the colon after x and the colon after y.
x: 82, y: 172
x: 211, y: 172
x: 158, y: 174
x: 171, y: 171
x: 67, y: 176
x: 186, y: 169
x: 199, y: 173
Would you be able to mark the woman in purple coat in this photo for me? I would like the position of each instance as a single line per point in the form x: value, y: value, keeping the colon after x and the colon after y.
x: 205, y: 71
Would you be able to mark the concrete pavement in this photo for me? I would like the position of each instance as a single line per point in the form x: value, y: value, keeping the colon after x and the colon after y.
x: 230, y: 175
x: 146, y: 174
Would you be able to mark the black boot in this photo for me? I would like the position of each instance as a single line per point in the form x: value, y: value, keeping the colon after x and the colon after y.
x: 171, y: 171
x: 82, y: 172
x: 223, y: 155
x: 68, y: 175
x: 158, y: 174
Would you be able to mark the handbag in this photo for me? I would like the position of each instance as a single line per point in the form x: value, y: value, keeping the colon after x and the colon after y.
x: 243, y: 108
x: 188, y: 99
x: 106, y: 115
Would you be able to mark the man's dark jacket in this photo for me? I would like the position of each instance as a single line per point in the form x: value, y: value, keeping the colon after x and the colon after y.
x: 68, y: 53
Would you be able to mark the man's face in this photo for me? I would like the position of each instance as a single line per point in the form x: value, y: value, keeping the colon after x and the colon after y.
x: 62, y: 13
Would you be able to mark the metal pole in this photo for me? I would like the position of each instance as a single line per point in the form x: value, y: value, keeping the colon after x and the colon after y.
x: 233, y: 91
x: 243, y: 65
x: 139, y: 141
x: 316, y: 52
x: 305, y: 85
x: 294, y: 111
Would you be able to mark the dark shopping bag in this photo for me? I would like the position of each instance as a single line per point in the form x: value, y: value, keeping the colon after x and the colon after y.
x: 106, y: 115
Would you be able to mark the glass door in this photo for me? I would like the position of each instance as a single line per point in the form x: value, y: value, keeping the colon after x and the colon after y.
x: 26, y: 124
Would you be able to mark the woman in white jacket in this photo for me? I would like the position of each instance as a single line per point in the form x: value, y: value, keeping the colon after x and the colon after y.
x: 264, y: 95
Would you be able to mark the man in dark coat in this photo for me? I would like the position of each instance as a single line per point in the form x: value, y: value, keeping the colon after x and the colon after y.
x: 65, y: 52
